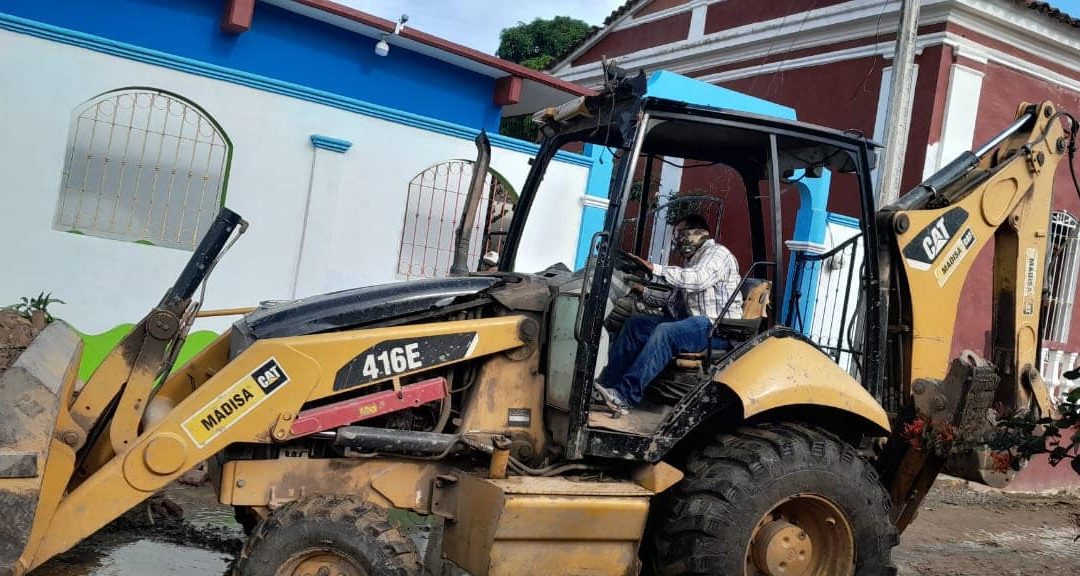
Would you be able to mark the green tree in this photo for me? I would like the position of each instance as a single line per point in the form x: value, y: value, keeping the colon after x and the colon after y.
x: 542, y: 42
x: 537, y: 45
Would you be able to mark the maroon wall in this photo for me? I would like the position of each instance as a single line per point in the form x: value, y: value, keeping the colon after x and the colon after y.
x: 659, y: 5
x: 1003, y: 90
x: 665, y: 31
x: 735, y: 13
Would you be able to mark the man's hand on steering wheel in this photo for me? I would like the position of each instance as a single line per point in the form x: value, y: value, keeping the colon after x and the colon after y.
x: 637, y: 261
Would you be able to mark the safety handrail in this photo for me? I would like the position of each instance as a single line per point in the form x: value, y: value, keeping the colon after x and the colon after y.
x: 731, y: 300
x: 586, y: 279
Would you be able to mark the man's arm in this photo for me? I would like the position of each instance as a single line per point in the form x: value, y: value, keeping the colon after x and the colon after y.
x: 698, y: 277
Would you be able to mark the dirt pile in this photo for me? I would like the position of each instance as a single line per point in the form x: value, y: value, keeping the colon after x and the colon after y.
x: 16, y: 332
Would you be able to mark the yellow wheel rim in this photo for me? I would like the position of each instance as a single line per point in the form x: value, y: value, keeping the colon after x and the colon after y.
x: 804, y: 535
x: 319, y: 562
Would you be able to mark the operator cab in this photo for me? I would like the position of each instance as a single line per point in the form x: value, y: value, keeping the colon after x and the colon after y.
x: 761, y: 183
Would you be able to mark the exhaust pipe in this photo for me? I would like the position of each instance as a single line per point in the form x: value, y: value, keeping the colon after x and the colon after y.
x: 463, y: 236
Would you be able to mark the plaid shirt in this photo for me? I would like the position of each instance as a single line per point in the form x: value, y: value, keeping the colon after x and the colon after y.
x: 704, y: 286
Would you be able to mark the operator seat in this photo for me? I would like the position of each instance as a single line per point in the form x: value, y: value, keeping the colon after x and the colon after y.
x: 685, y: 372
x: 755, y: 293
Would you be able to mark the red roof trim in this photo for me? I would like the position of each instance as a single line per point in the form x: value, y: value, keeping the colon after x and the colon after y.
x: 447, y: 46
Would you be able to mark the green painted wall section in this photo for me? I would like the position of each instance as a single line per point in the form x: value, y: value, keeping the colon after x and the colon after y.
x: 97, y: 346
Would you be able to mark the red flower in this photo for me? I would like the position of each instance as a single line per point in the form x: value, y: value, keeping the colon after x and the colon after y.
x: 1002, y: 461
x: 946, y: 434
x: 913, y: 433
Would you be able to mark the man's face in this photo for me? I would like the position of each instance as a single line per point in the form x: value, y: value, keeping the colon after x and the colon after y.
x: 688, y: 239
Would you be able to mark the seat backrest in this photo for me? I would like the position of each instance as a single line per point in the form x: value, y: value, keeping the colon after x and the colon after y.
x: 756, y: 300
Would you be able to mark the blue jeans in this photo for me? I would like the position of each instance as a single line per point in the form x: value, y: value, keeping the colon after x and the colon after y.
x: 646, y: 344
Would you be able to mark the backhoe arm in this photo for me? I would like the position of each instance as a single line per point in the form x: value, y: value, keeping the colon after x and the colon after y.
x: 1000, y: 195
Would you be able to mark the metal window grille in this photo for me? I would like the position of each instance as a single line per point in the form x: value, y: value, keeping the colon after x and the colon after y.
x: 657, y: 236
x: 143, y: 165
x: 433, y: 209
x: 1061, y: 275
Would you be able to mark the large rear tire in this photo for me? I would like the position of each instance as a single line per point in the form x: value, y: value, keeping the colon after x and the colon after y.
x: 773, y: 499
x: 327, y: 535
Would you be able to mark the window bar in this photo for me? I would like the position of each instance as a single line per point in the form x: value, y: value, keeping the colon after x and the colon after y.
x: 442, y: 220
x: 69, y: 171
x: 188, y: 178
x: 86, y: 171
x: 173, y: 170
x: 202, y: 190
x: 123, y: 166
x: 419, y: 189
x: 105, y: 163
x: 142, y: 160
x: 1069, y: 284
x: 157, y: 165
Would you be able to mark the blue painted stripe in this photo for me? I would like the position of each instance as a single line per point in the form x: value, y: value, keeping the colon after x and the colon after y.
x: 213, y: 71
x: 328, y: 143
x: 843, y: 220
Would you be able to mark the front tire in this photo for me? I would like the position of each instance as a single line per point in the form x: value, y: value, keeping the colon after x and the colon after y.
x: 331, y: 535
x: 773, y: 499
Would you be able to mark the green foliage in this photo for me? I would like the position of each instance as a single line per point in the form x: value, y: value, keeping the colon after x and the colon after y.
x: 542, y: 42
x: 1018, y: 437
x: 27, y: 306
x: 520, y: 127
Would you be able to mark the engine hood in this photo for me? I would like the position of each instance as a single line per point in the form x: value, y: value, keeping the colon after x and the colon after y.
x: 357, y: 307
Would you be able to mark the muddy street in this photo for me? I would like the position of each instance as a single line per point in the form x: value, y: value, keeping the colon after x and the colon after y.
x: 961, y: 531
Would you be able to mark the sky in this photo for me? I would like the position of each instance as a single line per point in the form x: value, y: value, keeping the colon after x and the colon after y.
x: 477, y: 23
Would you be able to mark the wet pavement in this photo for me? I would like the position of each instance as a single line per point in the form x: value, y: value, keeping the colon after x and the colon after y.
x: 142, y: 557
x: 154, y: 540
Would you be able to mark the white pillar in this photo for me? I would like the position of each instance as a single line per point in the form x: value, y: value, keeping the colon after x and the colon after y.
x: 313, y: 257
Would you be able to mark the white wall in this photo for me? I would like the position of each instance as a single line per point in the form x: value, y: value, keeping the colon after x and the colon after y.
x: 355, y: 214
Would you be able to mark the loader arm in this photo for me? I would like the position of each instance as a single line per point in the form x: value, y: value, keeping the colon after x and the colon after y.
x: 217, y: 402
x: 1001, y: 196
x: 107, y: 412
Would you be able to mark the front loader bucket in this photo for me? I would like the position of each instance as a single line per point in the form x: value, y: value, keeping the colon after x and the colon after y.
x: 30, y: 399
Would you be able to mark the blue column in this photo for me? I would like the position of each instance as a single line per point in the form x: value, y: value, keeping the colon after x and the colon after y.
x: 810, y: 222
x: 592, y: 216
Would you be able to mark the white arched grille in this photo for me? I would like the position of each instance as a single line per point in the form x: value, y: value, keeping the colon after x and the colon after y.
x: 143, y: 165
x: 1061, y: 273
x: 433, y: 208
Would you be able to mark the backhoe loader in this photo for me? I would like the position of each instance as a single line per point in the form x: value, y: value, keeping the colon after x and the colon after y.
x: 469, y: 399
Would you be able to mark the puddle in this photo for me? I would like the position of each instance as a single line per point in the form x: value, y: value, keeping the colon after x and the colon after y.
x: 144, y: 557
x: 219, y: 518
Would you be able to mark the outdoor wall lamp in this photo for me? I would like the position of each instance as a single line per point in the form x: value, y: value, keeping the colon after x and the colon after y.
x: 383, y: 47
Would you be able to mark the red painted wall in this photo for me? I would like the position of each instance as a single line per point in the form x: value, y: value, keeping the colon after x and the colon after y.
x: 665, y: 31
x: 1002, y: 91
x: 841, y: 95
x: 735, y: 13
x: 659, y: 5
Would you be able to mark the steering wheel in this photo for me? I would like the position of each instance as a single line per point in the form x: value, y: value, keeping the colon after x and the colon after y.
x: 626, y: 262
x: 629, y: 266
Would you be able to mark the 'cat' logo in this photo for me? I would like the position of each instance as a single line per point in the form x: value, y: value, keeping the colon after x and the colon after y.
x: 269, y: 375
x: 929, y: 243
x: 936, y: 241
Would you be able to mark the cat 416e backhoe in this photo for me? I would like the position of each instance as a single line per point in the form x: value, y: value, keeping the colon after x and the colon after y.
x: 469, y: 399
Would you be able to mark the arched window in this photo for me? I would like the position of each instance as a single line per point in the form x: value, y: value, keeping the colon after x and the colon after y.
x: 143, y: 165
x: 433, y: 208
x: 1061, y: 272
